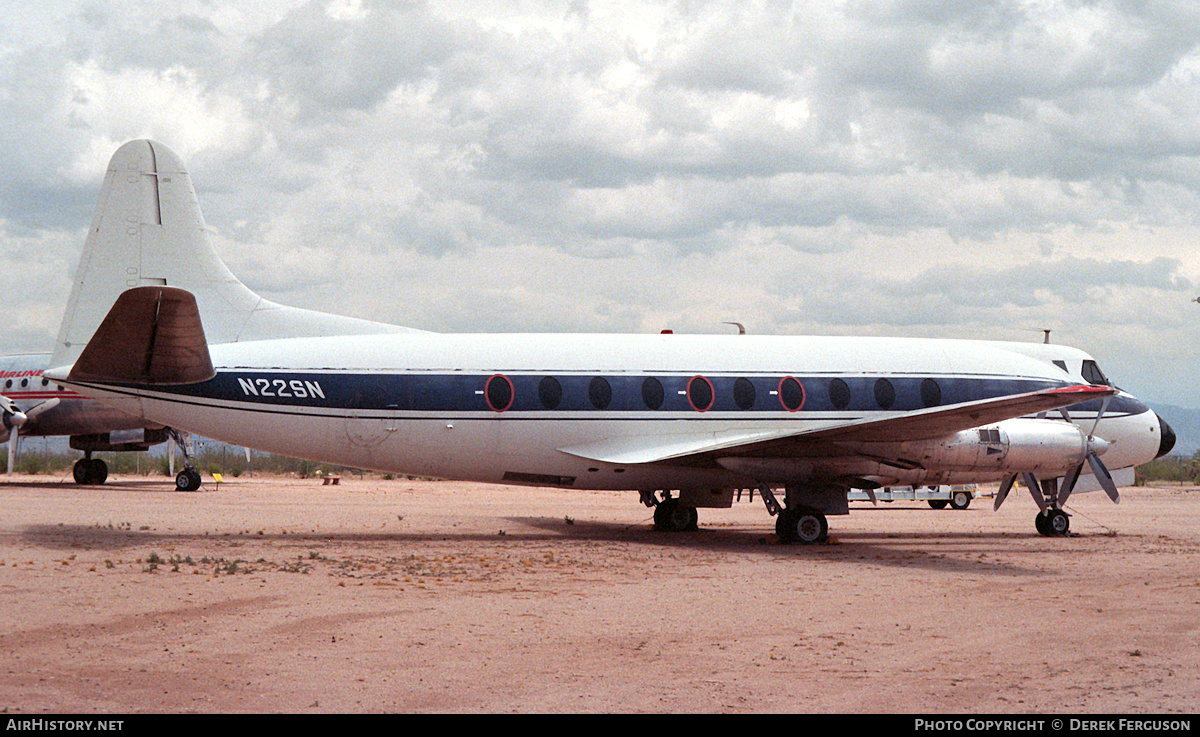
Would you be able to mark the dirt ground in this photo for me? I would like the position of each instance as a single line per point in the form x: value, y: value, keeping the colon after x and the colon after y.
x: 284, y: 595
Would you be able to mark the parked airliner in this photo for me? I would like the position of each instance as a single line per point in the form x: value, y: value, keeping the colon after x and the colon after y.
x: 35, y: 406
x: 159, y: 328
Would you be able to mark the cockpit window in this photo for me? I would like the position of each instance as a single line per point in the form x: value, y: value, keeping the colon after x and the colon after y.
x: 1093, y: 375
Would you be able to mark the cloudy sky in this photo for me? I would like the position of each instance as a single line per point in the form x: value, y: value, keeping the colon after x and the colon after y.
x: 932, y: 168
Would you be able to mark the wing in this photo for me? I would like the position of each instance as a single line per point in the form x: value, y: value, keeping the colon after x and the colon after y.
x: 920, y: 424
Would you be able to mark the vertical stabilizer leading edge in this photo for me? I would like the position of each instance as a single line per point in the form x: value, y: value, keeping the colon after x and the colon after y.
x: 148, y: 231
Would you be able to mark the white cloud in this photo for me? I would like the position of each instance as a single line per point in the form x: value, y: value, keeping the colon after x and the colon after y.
x: 905, y: 167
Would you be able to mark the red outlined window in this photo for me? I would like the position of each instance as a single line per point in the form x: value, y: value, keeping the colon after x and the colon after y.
x: 700, y: 393
x: 498, y: 391
x: 791, y: 394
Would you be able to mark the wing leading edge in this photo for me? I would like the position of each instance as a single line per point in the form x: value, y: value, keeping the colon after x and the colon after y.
x: 924, y: 424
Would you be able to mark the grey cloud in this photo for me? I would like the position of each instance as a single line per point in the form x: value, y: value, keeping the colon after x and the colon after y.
x: 329, y: 64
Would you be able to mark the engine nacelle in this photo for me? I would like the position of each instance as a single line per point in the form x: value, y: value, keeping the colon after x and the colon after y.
x: 1046, y: 448
x: 1012, y: 446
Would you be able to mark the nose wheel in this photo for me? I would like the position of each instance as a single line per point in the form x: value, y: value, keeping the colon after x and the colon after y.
x: 1052, y: 523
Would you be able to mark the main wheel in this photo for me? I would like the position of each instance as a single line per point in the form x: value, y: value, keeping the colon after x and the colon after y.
x: 188, y: 480
x: 672, y: 516
x: 89, y: 471
x: 99, y: 471
x: 960, y: 500
x: 804, y: 525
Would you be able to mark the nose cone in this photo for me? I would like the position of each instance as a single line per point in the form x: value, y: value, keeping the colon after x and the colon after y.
x: 1167, y: 437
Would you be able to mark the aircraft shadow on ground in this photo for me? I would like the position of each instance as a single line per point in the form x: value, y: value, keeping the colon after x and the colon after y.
x: 949, y: 552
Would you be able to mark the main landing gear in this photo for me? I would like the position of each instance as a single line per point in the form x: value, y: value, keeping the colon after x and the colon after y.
x: 671, y: 516
x: 189, y: 478
x: 89, y: 471
x: 802, y: 525
x: 800, y: 521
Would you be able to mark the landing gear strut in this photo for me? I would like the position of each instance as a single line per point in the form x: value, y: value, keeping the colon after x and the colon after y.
x: 1051, y: 521
x: 189, y: 478
x: 90, y: 471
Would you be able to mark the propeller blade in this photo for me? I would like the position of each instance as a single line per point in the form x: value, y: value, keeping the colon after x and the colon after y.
x: 14, y: 437
x: 1035, y: 490
x: 1068, y: 484
x: 1005, y: 487
x: 1103, y: 408
x: 1104, y: 477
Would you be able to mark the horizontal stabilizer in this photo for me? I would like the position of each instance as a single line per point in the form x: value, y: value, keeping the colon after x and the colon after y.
x: 152, y: 335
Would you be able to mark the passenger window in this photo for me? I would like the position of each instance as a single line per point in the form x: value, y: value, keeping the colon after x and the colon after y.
x: 599, y: 392
x: 791, y: 394
x: 499, y: 392
x: 839, y: 394
x: 931, y: 393
x: 652, y: 392
x: 885, y: 393
x: 550, y: 392
x: 700, y: 393
x: 743, y: 393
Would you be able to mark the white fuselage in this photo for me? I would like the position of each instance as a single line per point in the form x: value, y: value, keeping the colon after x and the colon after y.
x: 610, y: 411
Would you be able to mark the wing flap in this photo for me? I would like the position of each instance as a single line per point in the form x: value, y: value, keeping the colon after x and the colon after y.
x: 636, y: 449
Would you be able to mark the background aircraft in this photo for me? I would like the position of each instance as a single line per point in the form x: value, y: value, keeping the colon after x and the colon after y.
x: 36, y: 406
x: 158, y: 327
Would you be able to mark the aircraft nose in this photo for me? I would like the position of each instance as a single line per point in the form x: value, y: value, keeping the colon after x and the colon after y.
x: 1167, y: 437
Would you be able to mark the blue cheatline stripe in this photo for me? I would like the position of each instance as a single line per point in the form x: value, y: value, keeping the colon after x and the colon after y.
x: 454, y: 393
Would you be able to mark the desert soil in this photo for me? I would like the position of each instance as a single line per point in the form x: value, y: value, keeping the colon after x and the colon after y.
x: 285, y: 595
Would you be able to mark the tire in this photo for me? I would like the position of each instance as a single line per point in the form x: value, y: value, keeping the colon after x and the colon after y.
x: 937, y: 503
x: 1058, y: 523
x: 672, y: 516
x: 188, y: 480
x: 89, y: 471
x: 99, y: 471
x: 960, y: 500
x: 804, y: 525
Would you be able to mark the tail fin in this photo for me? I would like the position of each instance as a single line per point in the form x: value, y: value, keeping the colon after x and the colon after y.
x: 148, y: 231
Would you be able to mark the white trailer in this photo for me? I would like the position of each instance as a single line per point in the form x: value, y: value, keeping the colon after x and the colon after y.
x: 956, y: 496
